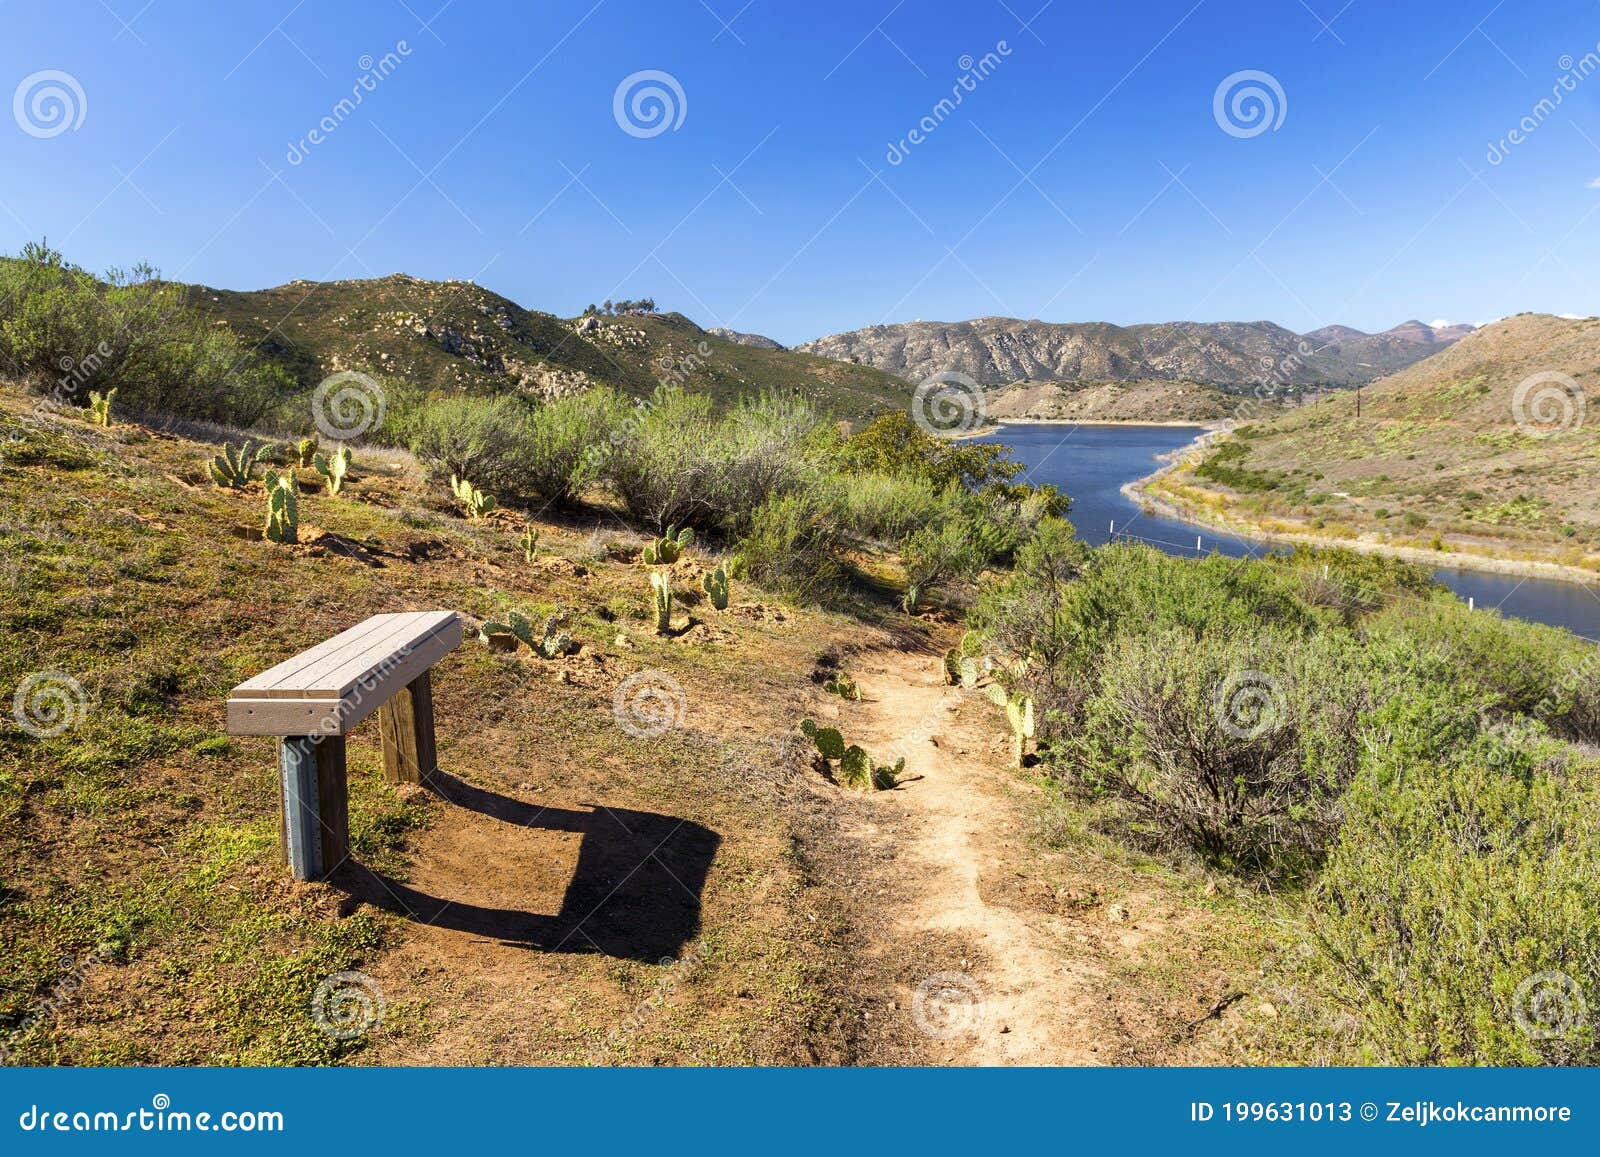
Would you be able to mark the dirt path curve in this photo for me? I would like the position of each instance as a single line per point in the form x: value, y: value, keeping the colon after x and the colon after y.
x: 1026, y: 997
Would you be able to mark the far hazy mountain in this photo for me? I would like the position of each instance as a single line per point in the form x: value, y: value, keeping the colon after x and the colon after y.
x: 1234, y: 356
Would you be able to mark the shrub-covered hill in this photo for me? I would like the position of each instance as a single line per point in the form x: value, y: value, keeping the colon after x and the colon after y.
x: 1305, y: 807
x: 1490, y: 447
x: 142, y: 907
x: 447, y: 336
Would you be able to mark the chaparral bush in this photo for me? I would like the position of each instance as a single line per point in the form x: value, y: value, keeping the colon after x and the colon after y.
x: 1455, y: 918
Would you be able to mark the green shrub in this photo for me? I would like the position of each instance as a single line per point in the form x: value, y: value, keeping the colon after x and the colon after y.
x: 477, y: 438
x: 1237, y: 746
x: 893, y: 444
x: 935, y: 555
x: 662, y: 467
x: 1352, y: 581
x: 1456, y: 917
x: 1527, y: 668
x: 1137, y: 589
x: 563, y: 446
x: 766, y: 447
x: 792, y: 546
x: 1025, y: 614
x: 68, y: 334
x: 886, y: 508
x: 679, y: 463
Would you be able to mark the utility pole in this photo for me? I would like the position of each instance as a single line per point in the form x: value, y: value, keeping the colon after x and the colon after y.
x: 1358, y: 401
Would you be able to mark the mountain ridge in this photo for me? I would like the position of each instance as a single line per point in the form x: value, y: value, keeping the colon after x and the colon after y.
x: 457, y: 336
x: 1234, y: 356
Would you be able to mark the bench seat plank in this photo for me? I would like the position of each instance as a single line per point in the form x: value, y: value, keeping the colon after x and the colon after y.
x: 302, y: 673
x: 331, y: 687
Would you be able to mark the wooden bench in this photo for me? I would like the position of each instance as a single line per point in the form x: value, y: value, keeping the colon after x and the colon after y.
x: 313, y: 700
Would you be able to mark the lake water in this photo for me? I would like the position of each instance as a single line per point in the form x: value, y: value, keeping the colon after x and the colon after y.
x: 1091, y: 464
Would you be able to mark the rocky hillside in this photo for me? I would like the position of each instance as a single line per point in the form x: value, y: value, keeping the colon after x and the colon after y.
x: 1491, y: 446
x: 761, y: 341
x: 1233, y: 356
x: 454, y: 335
x: 1109, y: 402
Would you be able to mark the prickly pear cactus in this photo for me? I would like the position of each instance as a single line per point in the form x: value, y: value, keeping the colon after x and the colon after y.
x: 333, y: 467
x: 661, y: 589
x: 1019, y: 713
x: 716, y: 588
x: 283, y: 508
x: 233, y: 468
x: 830, y: 744
x: 667, y: 549
x: 555, y: 641
x: 854, y: 766
x: 960, y: 670
x: 884, y: 778
x: 100, y: 406
x: 504, y: 634
x: 478, y: 503
x: 844, y: 687
x: 306, y: 450
x: 529, y: 543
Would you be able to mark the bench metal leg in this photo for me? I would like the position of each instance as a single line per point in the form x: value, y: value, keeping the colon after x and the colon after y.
x: 302, y: 820
x: 406, y: 722
x: 315, y: 832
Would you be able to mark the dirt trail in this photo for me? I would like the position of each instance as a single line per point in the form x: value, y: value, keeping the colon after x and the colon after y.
x: 1026, y: 997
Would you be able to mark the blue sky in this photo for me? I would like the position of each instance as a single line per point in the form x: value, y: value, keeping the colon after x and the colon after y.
x: 1085, y: 177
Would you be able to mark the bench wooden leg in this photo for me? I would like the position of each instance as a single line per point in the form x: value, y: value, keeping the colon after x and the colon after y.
x: 314, y: 835
x: 333, y: 802
x: 406, y: 723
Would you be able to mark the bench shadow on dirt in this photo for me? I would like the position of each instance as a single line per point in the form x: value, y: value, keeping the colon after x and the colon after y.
x: 634, y: 895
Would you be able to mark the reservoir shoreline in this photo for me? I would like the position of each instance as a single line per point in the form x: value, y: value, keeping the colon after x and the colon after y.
x: 1139, y: 492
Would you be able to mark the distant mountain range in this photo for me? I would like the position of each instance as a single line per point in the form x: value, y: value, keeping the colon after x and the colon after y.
x: 445, y: 336
x: 1234, y: 356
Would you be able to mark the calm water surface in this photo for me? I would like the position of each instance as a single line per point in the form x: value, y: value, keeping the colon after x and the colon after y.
x: 1092, y: 463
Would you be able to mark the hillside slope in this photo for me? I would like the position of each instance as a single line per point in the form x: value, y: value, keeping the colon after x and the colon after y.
x: 1480, y: 449
x: 595, y: 876
x: 1234, y: 356
x: 446, y: 336
x: 1109, y: 402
